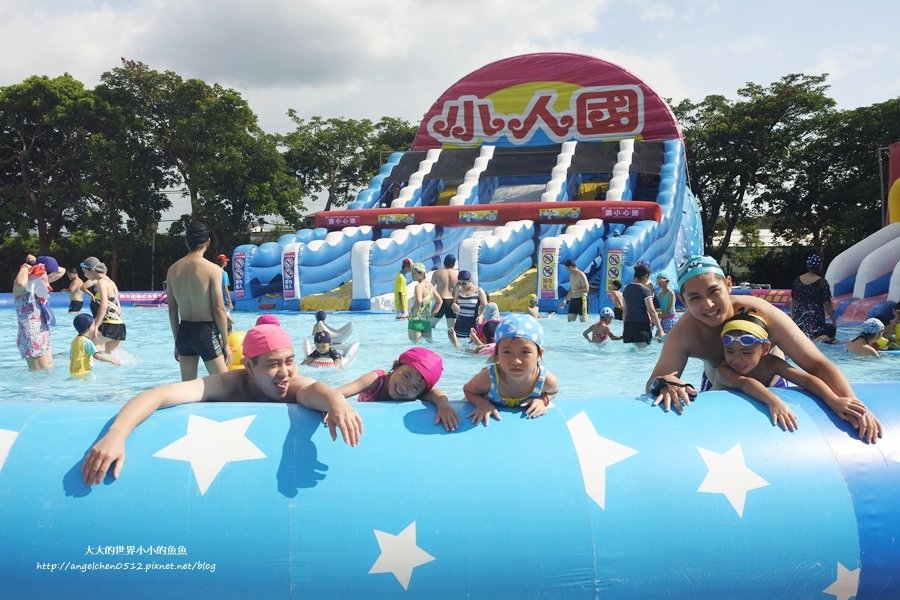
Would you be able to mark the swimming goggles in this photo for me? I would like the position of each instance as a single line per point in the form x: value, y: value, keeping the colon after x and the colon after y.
x: 743, y: 340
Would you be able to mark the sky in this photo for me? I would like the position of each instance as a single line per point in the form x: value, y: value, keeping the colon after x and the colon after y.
x: 365, y: 59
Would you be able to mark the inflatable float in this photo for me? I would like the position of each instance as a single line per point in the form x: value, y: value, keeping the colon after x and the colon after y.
x: 348, y: 353
x: 600, y: 498
x: 340, y: 334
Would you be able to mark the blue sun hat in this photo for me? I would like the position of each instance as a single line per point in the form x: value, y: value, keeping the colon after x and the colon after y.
x: 872, y: 325
x: 520, y: 326
x: 607, y: 312
x: 695, y: 266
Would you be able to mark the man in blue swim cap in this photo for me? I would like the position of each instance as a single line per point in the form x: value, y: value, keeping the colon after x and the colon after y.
x: 706, y: 293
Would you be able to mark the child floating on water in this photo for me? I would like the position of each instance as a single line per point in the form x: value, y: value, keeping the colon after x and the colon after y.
x: 83, y: 352
x: 600, y: 331
x: 516, y: 377
x: 324, y: 349
x: 749, y: 368
x: 413, y: 375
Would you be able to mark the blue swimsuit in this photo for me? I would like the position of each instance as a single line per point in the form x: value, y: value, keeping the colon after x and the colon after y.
x: 495, y: 397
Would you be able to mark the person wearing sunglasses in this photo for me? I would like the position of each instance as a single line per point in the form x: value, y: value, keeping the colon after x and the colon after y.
x: 749, y: 367
x: 706, y: 293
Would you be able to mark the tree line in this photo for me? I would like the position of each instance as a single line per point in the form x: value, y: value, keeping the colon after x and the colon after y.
x: 94, y: 164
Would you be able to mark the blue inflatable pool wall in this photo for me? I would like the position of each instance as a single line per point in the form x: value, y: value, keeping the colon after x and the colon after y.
x: 601, y: 498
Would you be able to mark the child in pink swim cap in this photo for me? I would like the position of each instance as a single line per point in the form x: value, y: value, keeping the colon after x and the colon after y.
x: 413, y: 375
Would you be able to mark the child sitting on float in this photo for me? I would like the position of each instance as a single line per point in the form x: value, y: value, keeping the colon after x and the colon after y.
x: 870, y: 339
x: 517, y: 377
x: 481, y: 337
x: 323, y: 350
x: 413, y: 375
x: 749, y: 367
x: 599, y: 332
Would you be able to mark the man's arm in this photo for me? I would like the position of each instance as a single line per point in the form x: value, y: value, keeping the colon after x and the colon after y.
x: 338, y: 412
x: 110, y: 449
x: 221, y: 318
x: 670, y: 364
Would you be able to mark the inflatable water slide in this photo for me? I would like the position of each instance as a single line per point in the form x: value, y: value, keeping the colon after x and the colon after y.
x: 517, y: 168
x: 865, y: 278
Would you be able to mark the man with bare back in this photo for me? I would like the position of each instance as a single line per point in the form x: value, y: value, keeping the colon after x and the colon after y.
x: 197, y: 309
x: 444, y: 281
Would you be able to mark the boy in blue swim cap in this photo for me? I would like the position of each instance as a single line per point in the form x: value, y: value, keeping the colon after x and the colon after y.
x: 706, y: 293
x: 516, y: 377
x: 82, y: 352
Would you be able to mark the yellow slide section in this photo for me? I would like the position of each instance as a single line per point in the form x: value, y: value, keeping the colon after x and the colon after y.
x: 443, y: 198
x: 336, y: 299
x: 894, y: 203
x: 514, y: 297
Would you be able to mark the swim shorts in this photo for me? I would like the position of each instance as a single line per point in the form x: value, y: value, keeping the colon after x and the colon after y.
x: 578, y: 306
x: 617, y: 313
x: 113, y: 331
x: 636, y: 332
x: 420, y: 326
x: 199, y: 337
x: 76, y: 306
x: 446, y: 309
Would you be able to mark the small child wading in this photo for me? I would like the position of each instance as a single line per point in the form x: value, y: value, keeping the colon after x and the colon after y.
x: 83, y: 352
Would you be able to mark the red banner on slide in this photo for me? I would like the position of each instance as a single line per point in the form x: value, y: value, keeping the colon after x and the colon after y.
x: 493, y: 214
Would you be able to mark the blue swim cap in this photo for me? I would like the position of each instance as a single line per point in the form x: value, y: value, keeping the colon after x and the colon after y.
x: 606, y: 312
x: 82, y: 322
x: 696, y: 266
x: 872, y: 325
x: 520, y: 326
x: 814, y: 261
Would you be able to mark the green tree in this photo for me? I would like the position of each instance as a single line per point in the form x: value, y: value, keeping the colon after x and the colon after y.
x: 125, y: 172
x: 737, y: 150
x: 337, y: 157
x: 44, y: 131
x: 211, y: 140
x: 832, y: 192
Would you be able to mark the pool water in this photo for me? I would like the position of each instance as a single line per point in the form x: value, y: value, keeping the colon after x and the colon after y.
x: 147, y: 358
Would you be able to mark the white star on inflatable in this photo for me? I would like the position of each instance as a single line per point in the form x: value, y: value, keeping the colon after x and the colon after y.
x: 7, y: 438
x: 846, y: 584
x: 209, y: 445
x: 595, y: 455
x: 728, y: 474
x: 399, y: 554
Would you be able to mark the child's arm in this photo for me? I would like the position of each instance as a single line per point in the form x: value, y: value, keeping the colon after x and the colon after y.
x: 538, y: 406
x: 586, y: 333
x: 358, y: 385
x: 107, y: 357
x: 779, y: 412
x: 848, y: 409
x: 446, y: 416
x: 611, y: 335
x: 476, y: 392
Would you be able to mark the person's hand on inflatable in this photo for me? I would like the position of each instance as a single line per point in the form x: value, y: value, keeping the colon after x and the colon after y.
x: 104, y: 454
x: 869, y: 428
x: 782, y: 416
x: 848, y: 409
x: 670, y: 390
x: 483, y: 414
x: 342, y: 416
x: 446, y: 416
x: 535, y: 407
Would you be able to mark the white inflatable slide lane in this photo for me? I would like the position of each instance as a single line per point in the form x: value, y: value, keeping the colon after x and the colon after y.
x: 558, y: 177
x: 876, y: 266
x: 470, y: 181
x: 619, y: 181
x: 846, y: 264
x: 416, y: 179
x: 894, y: 287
